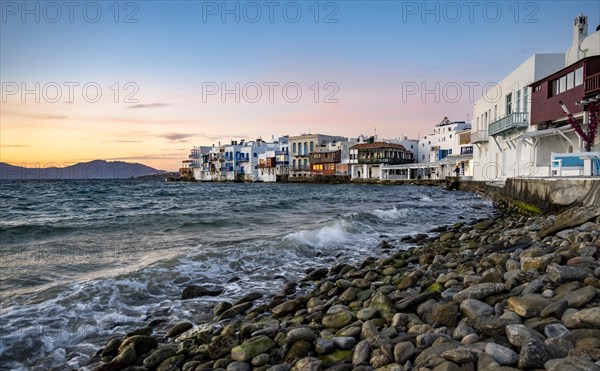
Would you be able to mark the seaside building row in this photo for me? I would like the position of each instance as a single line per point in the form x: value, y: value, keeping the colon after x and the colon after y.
x: 540, y: 121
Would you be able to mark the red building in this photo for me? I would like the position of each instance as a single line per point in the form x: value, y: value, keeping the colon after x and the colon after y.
x: 571, y: 85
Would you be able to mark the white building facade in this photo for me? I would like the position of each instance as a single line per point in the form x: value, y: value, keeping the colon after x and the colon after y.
x: 501, y: 115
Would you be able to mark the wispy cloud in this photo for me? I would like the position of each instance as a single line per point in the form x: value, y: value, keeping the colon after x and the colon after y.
x: 151, y: 105
x: 37, y: 116
x: 15, y: 146
x: 163, y: 156
x: 177, y: 137
x: 122, y: 141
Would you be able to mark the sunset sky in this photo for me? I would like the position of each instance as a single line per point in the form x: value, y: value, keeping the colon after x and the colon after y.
x: 158, y: 63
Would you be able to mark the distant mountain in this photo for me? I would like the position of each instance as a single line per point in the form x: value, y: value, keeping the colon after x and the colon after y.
x: 97, y: 169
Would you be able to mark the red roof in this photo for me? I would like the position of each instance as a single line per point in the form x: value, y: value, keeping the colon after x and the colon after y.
x: 377, y: 145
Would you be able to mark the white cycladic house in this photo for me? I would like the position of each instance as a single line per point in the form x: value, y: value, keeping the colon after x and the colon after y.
x: 501, y: 115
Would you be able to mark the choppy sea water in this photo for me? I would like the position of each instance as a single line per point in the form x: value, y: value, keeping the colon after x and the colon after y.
x: 81, y: 261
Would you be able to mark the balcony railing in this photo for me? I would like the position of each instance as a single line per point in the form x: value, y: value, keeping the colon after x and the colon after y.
x: 480, y: 136
x: 514, y: 121
x: 591, y: 85
x: 466, y: 150
x: 390, y: 161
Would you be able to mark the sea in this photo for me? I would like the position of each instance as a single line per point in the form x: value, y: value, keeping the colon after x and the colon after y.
x: 82, y: 261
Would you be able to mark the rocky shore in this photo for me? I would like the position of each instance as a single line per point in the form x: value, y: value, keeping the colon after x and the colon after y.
x: 513, y: 292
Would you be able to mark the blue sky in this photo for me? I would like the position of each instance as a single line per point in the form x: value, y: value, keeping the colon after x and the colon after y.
x: 366, y: 52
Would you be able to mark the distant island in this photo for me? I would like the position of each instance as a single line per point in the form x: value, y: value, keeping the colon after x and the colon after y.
x: 97, y: 169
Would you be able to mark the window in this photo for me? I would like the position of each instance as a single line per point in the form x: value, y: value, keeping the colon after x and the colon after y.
x: 509, y: 104
x: 525, y: 99
x: 579, y: 76
x: 305, y: 148
x: 423, y: 157
x: 563, y: 84
x: 518, y: 101
x: 294, y: 147
x: 254, y: 155
x: 570, y: 80
x: 450, y: 135
x: 450, y: 151
x: 312, y: 146
x: 495, y: 112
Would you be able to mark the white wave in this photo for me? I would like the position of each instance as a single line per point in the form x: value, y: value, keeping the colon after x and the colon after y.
x: 331, y: 234
x: 390, y: 214
x: 426, y: 199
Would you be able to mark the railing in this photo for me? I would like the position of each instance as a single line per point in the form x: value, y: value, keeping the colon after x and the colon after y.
x: 480, y: 136
x: 244, y: 159
x: 300, y: 168
x: 591, y: 84
x: 514, y: 121
x: 466, y: 150
x: 391, y: 161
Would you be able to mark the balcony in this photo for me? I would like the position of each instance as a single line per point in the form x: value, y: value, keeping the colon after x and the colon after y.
x: 244, y: 159
x: 480, y: 136
x: 300, y: 168
x: 388, y: 161
x: 591, y: 85
x: 466, y: 150
x: 514, y: 121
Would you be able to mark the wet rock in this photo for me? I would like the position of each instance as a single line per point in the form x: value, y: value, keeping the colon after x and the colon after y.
x: 366, y: 314
x: 473, y: 308
x: 338, y: 320
x: 179, y: 328
x: 221, y: 307
x: 570, y: 218
x: 317, y: 274
x: 194, y: 291
x: 539, y: 263
x: 286, y: 308
x: 459, y: 355
x: 587, y: 318
x: 127, y: 356
x: 171, y: 363
x: 302, y: 333
x: 344, y: 342
x: 324, y: 346
x: 533, y: 354
x: 298, y: 350
x: 112, y: 348
x: 556, y: 330
x: 530, y: 305
x: 445, y: 314
x: 142, y: 344
x: 562, y: 274
x: 159, y: 355
x: 251, y: 348
x: 479, y: 291
x: 221, y: 345
x: 249, y: 297
x: 337, y: 356
x: 571, y: 364
x: 580, y: 297
x: 260, y: 360
x: 235, y: 310
x: 555, y: 309
x: 362, y: 353
x: 502, y: 355
x: 239, y: 366
x: 307, y: 364
x: 384, y: 305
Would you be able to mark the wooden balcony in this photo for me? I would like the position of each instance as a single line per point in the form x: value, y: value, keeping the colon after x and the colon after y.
x: 591, y: 85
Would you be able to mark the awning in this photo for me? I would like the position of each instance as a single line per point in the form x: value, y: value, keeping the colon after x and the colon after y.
x: 545, y: 132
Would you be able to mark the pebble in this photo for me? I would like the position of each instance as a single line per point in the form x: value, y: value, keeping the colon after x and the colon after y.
x: 437, y: 306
